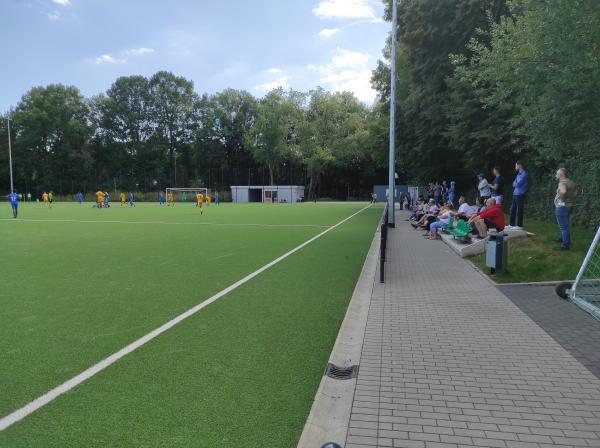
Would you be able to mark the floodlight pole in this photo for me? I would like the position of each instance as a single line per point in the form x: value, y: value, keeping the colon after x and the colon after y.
x: 10, y: 156
x: 392, y: 156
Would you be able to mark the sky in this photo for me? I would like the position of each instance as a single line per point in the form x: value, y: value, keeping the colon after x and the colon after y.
x: 255, y: 45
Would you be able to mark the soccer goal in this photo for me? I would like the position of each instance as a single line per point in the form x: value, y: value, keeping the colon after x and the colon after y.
x: 585, y: 291
x: 186, y: 194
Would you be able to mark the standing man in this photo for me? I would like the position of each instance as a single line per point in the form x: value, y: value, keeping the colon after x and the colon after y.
x: 131, y: 203
x: 29, y: 197
x: 161, y: 199
x: 437, y: 193
x: 484, y: 187
x: 497, y: 186
x: 563, y: 201
x: 451, y: 192
x: 106, y: 199
x: 45, y: 197
x: 14, y: 203
x: 217, y: 198
x: 122, y: 198
x: 519, y: 192
x: 50, y: 198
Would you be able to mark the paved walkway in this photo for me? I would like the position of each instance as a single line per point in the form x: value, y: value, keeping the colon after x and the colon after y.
x: 570, y: 326
x: 449, y: 361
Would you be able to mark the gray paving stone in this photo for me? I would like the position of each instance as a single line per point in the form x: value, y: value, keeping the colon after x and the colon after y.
x: 448, y: 360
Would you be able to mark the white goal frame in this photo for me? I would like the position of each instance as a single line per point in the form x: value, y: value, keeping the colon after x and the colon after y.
x: 205, y: 191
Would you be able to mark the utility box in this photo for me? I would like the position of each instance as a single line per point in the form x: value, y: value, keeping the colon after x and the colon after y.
x: 495, y: 253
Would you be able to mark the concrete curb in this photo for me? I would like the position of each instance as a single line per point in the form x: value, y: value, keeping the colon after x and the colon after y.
x: 329, y: 416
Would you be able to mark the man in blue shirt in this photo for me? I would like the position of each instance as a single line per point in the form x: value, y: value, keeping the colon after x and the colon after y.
x: 519, y: 192
x: 106, y: 199
x: 497, y: 186
x: 80, y: 198
x: 131, y: 203
x: 14, y: 203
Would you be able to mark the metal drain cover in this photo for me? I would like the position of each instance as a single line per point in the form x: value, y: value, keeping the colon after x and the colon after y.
x: 331, y: 445
x: 341, y: 373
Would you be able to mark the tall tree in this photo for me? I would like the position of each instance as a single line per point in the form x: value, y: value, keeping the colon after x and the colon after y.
x: 273, y: 137
x: 172, y: 100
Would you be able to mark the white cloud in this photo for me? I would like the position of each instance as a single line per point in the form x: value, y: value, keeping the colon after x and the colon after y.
x: 270, y: 85
x: 109, y: 59
x: 348, y: 71
x: 328, y: 32
x: 123, y: 56
x: 62, y: 2
x: 52, y: 15
x: 344, y: 9
x: 346, y: 58
x: 138, y: 51
x: 275, y: 70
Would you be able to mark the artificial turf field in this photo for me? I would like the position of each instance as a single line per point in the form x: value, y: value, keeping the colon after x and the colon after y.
x: 79, y: 283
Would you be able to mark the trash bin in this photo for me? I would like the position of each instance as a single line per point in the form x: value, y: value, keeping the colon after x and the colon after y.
x: 495, y: 253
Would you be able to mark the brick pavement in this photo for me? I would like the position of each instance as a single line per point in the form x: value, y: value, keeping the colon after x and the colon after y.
x: 449, y: 361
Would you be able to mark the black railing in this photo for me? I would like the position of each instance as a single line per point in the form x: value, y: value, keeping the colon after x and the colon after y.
x: 383, y: 244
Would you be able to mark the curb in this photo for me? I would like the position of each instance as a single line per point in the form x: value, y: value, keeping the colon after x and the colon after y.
x: 330, y: 412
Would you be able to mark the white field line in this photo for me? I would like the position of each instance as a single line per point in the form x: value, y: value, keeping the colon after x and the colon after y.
x: 49, y: 396
x: 168, y: 223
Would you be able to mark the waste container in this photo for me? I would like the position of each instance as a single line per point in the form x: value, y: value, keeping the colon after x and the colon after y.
x: 495, y: 251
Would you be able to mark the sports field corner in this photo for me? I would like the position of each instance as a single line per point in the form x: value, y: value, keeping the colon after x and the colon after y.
x: 240, y: 372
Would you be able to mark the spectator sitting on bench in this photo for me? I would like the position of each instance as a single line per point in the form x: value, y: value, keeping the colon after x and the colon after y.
x: 490, y: 218
x: 444, y: 221
x: 465, y: 211
x: 431, y: 211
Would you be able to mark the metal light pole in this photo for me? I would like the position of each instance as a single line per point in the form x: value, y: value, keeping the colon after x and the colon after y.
x: 392, y: 156
x: 10, y: 156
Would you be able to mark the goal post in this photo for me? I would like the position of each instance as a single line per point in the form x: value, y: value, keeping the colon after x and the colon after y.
x: 585, y: 291
x: 186, y: 194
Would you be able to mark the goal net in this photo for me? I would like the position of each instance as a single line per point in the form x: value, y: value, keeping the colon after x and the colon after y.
x: 186, y: 194
x: 586, y: 290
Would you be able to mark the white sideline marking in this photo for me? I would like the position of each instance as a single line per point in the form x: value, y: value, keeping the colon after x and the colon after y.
x: 167, y: 222
x: 43, y: 400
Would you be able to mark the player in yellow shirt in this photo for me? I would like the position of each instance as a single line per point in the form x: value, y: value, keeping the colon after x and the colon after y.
x: 170, y: 199
x: 199, y: 201
x: 45, y: 198
x: 122, y: 198
x: 99, y: 199
x: 208, y: 199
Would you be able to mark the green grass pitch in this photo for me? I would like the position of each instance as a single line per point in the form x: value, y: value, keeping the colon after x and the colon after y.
x: 79, y: 284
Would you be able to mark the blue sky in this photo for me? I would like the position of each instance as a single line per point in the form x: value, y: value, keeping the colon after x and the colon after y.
x: 252, y: 44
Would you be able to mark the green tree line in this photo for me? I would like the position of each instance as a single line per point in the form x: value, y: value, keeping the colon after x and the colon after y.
x: 145, y: 134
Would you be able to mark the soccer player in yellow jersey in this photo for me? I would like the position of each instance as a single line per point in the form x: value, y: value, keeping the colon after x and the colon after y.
x: 199, y: 201
x: 170, y: 199
x: 122, y: 198
x: 99, y: 199
x: 208, y: 199
x: 45, y: 198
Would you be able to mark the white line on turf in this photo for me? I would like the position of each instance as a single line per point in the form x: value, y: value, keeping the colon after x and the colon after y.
x: 167, y: 222
x: 49, y: 396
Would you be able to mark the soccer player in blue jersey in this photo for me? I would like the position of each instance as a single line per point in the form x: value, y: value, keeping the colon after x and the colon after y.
x: 14, y: 203
x: 161, y: 199
x: 106, y: 199
x: 131, y: 204
x: 80, y: 198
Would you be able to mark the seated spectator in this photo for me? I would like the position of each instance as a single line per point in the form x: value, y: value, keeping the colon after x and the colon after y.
x: 465, y: 211
x: 431, y: 210
x: 490, y: 218
x: 444, y: 221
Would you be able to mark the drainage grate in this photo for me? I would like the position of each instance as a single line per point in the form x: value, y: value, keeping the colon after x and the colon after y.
x: 341, y: 373
x: 331, y: 445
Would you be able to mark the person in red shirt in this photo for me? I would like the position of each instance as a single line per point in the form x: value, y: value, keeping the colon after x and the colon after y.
x: 490, y: 218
